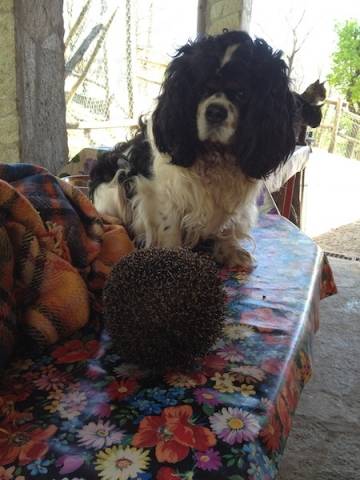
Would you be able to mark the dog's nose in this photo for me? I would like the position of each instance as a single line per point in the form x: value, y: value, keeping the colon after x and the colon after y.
x: 216, y: 113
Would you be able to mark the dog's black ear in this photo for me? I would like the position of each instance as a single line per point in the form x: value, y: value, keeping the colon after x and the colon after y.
x: 267, y: 136
x: 174, y: 119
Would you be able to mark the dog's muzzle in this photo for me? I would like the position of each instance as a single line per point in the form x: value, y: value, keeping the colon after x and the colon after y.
x: 215, y: 114
x: 216, y: 119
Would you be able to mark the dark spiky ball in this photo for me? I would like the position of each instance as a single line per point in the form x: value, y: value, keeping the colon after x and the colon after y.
x: 164, y: 308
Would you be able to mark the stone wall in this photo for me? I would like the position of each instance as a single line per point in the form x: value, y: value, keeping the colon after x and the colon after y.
x: 9, y: 128
x: 40, y: 82
x: 230, y: 14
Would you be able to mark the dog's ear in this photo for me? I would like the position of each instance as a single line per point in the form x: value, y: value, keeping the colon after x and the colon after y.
x: 267, y: 136
x: 174, y: 119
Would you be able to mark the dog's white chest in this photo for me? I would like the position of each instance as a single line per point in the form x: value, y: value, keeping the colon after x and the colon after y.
x: 196, y: 202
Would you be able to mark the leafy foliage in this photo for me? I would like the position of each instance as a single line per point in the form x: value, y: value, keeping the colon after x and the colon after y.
x: 345, y: 73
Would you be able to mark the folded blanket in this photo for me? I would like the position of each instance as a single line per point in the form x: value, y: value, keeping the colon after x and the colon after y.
x: 55, y: 255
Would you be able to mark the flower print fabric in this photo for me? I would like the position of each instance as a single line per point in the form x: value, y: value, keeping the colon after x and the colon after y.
x: 79, y: 412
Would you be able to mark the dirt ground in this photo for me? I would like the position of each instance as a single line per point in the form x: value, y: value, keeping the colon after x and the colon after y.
x: 324, y: 443
x: 344, y: 240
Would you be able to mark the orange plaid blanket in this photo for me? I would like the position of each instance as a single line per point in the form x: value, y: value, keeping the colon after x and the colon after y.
x: 55, y: 255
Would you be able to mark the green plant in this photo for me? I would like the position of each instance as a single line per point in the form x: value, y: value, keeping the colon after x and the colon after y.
x: 345, y: 70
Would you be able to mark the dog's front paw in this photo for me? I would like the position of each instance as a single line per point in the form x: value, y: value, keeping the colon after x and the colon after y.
x: 234, y: 256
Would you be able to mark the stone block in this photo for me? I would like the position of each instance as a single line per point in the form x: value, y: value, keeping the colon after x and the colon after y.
x: 9, y: 129
x: 232, y: 22
x: 40, y: 82
x: 9, y: 153
x: 224, y: 8
x: 9, y: 126
x: 7, y: 42
x: 7, y: 106
x: 6, y: 6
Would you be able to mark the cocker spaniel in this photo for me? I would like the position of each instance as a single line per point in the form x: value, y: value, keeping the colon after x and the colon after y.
x: 224, y: 120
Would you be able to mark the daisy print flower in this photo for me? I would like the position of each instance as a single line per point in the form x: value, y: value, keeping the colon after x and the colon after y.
x: 118, y: 463
x: 249, y: 373
x: 99, y: 435
x: 72, y: 404
x: 208, y: 460
x: 190, y: 380
x: 234, y: 425
x: 230, y: 353
x: 50, y: 378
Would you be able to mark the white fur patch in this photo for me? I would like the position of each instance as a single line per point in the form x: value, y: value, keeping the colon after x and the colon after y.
x: 110, y: 199
x: 178, y: 206
x: 216, y: 133
x: 229, y: 53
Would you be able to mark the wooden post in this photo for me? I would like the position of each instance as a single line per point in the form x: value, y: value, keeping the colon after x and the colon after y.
x: 336, y: 126
x: 201, y: 17
x: 39, y: 33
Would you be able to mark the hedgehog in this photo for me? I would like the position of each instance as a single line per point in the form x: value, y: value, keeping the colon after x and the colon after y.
x: 164, y: 308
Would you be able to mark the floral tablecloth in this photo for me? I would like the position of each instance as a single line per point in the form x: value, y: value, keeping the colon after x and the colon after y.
x: 78, y: 412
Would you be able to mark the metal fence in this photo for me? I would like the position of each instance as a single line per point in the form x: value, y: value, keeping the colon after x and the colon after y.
x: 339, y: 131
x: 116, y: 52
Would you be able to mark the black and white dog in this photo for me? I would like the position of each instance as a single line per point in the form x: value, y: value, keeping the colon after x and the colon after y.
x: 223, y: 121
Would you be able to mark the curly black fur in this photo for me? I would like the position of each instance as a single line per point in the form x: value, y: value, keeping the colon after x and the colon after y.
x: 132, y: 158
x: 256, y: 81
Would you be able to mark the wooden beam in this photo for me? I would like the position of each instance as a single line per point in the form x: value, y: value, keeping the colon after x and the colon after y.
x: 201, y: 17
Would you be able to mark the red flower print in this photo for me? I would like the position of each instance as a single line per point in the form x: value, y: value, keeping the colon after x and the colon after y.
x: 50, y: 378
x: 265, y: 320
x: 271, y: 434
x: 212, y: 364
x: 7, y: 404
x: 173, y: 435
x: 22, y: 443
x: 167, y: 473
x: 17, y: 388
x: 120, y: 389
x: 290, y: 391
x: 284, y: 415
x: 19, y: 418
x: 77, y: 351
x: 275, y: 339
x: 272, y: 365
x: 306, y: 367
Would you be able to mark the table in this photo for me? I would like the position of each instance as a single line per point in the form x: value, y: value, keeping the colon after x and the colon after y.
x: 286, y: 184
x: 78, y: 411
